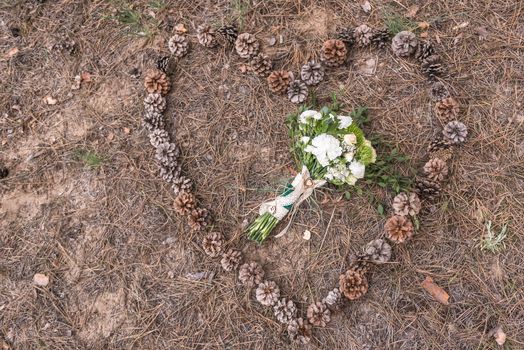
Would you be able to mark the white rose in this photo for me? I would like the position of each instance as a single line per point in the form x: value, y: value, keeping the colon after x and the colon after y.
x: 349, y: 156
x: 344, y: 121
x: 358, y: 169
x: 325, y: 148
x: 306, y: 115
x: 350, y: 139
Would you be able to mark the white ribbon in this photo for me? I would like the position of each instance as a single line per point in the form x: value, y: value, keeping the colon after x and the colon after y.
x: 303, y: 186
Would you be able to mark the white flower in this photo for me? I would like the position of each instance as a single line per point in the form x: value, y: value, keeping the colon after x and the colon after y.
x: 349, y: 156
x: 305, y: 139
x: 344, y: 121
x: 350, y: 139
x: 337, y: 172
x: 325, y: 148
x: 351, y: 180
x: 358, y: 169
x: 306, y: 115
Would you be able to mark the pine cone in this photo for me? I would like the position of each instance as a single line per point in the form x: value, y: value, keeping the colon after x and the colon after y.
x: 432, y: 66
x: 427, y: 188
x: 163, y: 63
x: 228, y: 34
x: 297, y: 91
x: 347, y: 35
x: 278, y: 81
x: 333, y: 297
x: 247, y: 45
x: 381, y: 38
x: 167, y: 154
x: 438, y: 91
x: 378, y: 251
x: 170, y: 173
x: 333, y: 53
x: 404, y: 44
x: 153, y: 121
x: 261, y: 65
x: 206, y: 36
x: 4, y: 172
x: 267, y: 293
x: 312, y: 73
x: 318, y: 314
x: 231, y: 259
x: 178, y: 45
x: 158, y: 136
x: 399, y: 228
x: 455, y: 132
x: 251, y: 274
x: 213, y: 243
x: 363, y: 35
x: 184, y: 203
x: 154, y: 103
x: 353, y: 284
x: 285, y: 310
x: 197, y: 220
x: 436, y: 169
x: 441, y: 148
x: 406, y: 204
x: 299, y: 331
x: 424, y: 50
x: 361, y: 264
x: 157, y: 82
x: 181, y: 183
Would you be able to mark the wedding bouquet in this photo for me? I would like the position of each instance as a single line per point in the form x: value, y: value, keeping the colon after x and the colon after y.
x: 330, y: 148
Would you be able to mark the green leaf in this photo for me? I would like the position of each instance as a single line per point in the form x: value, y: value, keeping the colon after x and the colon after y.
x: 380, y: 209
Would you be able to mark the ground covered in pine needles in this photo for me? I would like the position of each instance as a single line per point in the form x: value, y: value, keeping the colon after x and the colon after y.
x: 84, y: 205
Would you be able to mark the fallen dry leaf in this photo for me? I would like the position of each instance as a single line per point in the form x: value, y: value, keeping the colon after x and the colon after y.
x: 499, y: 335
x: 424, y: 35
x: 50, y: 100
x: 11, y: 52
x: 482, y: 33
x: 307, y: 235
x: 366, y: 6
x: 461, y: 25
x: 412, y: 11
x: 127, y: 131
x: 110, y: 136
x: 40, y: 279
x: 435, y: 291
x: 85, y: 76
x: 423, y: 25
x: 180, y: 28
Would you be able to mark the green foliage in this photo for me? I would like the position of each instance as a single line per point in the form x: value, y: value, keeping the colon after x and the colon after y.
x: 494, y: 242
x: 240, y: 9
x: 159, y: 5
x: 360, y: 116
x: 89, y: 158
x: 138, y: 23
x: 396, y: 23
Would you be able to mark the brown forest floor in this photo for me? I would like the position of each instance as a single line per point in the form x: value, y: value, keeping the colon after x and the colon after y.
x: 116, y: 253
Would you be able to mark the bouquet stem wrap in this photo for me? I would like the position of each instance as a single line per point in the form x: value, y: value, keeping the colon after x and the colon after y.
x: 272, y: 212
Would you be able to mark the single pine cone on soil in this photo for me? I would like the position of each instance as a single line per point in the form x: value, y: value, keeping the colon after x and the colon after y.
x: 297, y: 91
x: 436, y: 169
x: 206, y: 36
x: 333, y: 53
x: 318, y: 314
x: 404, y: 44
x: 267, y: 293
x: 441, y: 148
x: 155, y: 103
x: 333, y: 297
x: 247, y: 45
x: 197, y: 219
x: 427, y: 188
x: 153, y: 121
x: 163, y: 63
x: 447, y: 110
x: 424, y: 50
x: 285, y: 310
x: 432, y: 66
x: 158, y: 136
x: 455, y: 132
x: 170, y: 173
x: 378, y: 251
x: 406, y: 204
x: 347, y: 35
x: 213, y: 243
x: 157, y: 82
x: 312, y: 73
x: 184, y: 203
x: 181, y: 183
x: 278, y: 81
x: 167, y: 154
x: 438, y: 91
x: 231, y: 259
x: 353, y: 284
x: 380, y: 38
x: 399, y: 228
x: 228, y: 34
x: 261, y: 65
x: 363, y: 35
x: 178, y: 45
x: 251, y: 274
x: 299, y: 331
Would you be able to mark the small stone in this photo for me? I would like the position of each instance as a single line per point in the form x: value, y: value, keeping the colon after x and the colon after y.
x: 307, y: 235
x: 40, y: 280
